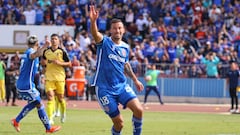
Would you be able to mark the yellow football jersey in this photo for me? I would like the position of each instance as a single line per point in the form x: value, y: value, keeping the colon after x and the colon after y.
x: 55, y: 72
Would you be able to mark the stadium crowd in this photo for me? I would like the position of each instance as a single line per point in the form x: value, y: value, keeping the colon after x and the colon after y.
x: 182, y: 37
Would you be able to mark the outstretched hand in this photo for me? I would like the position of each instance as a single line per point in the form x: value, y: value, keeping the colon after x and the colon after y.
x: 93, y: 14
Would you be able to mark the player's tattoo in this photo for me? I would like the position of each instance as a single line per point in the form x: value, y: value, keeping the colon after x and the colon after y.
x: 128, y: 70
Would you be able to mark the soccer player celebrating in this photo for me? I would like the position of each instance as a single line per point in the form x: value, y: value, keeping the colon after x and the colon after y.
x: 55, y: 59
x: 26, y: 86
x: 110, y: 80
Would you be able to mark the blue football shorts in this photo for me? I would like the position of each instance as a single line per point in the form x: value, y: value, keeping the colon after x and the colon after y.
x: 30, y: 95
x: 109, y: 100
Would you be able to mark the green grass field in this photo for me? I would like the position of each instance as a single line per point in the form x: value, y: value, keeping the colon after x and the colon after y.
x: 95, y: 122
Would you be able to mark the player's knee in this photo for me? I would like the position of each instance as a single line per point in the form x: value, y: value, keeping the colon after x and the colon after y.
x: 120, y: 126
x: 50, y: 95
x: 38, y: 103
x: 60, y: 99
x: 138, y: 112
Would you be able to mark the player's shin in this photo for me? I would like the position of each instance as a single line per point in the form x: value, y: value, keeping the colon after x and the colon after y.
x: 137, y: 126
x: 57, y: 107
x: 50, y: 109
x: 63, y: 110
x: 25, y: 110
x: 43, y: 117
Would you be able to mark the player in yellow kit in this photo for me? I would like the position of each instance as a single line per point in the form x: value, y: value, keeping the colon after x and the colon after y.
x: 55, y: 59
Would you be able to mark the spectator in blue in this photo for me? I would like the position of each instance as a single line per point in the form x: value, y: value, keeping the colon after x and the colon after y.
x: 172, y: 51
x: 183, y: 7
x: 102, y: 23
x: 137, y: 37
x: 39, y: 15
x: 167, y: 19
x: 70, y: 51
x: 71, y: 5
x: 59, y: 21
x: 218, y: 24
x: 159, y: 52
x: 149, y: 51
x: 171, y: 31
x: 211, y: 61
x: 135, y: 65
x: 217, y: 2
x: 17, y: 11
x: 155, y: 9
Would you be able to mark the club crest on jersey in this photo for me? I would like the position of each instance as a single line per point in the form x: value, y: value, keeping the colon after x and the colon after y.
x: 123, y: 52
x: 58, y: 54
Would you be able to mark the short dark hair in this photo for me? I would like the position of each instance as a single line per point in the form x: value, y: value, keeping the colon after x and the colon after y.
x: 55, y: 35
x: 115, y: 20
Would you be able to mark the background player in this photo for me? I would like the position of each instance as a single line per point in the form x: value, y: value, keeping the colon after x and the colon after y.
x: 152, y: 82
x: 26, y: 86
x: 2, y: 81
x: 54, y: 60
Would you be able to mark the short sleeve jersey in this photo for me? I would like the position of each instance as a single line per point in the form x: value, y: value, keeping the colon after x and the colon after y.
x: 28, y: 69
x: 111, y: 59
x: 154, y: 75
x: 55, y: 72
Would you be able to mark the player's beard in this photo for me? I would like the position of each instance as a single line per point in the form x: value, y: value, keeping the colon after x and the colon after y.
x: 117, y: 37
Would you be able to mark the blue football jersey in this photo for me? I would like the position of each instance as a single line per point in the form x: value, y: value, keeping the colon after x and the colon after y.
x: 111, y: 59
x: 28, y: 69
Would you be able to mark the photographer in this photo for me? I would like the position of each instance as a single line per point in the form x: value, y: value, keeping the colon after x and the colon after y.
x: 211, y: 61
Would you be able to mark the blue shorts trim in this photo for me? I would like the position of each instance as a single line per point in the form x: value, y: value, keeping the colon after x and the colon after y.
x: 30, y: 95
x: 125, y: 104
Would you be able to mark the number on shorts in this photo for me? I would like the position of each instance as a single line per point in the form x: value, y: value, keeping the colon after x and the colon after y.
x: 104, y: 100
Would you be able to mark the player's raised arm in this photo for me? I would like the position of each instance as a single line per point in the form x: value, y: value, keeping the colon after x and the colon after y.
x: 39, y: 51
x: 93, y: 14
x: 33, y: 43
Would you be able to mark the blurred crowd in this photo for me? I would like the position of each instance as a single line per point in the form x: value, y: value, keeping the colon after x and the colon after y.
x: 185, y: 38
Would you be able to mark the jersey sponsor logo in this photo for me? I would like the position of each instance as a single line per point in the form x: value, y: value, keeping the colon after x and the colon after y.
x: 115, y: 57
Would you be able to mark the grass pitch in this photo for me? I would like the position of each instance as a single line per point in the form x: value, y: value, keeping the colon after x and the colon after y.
x: 95, y: 122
